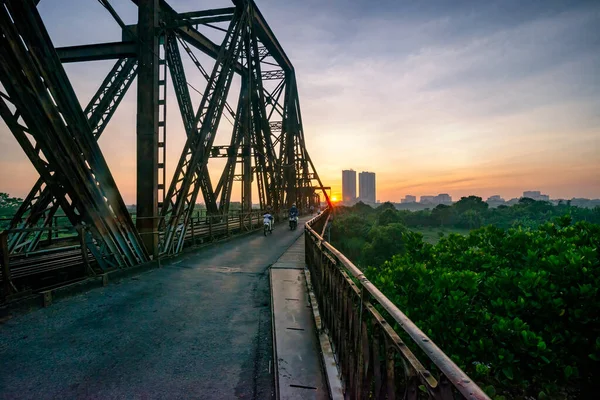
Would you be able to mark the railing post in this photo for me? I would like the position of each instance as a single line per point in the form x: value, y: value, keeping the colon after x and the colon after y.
x: 52, y: 222
x: 193, y: 233
x: 210, y: 234
x: 84, y: 250
x: 9, y: 288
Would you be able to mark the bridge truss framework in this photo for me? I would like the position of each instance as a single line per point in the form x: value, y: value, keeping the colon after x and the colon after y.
x: 39, y: 105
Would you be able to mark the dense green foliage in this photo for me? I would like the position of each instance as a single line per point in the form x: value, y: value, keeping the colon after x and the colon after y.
x: 8, y: 205
x: 518, y: 309
x: 472, y: 212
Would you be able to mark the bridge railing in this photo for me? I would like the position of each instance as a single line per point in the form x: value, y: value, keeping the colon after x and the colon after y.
x: 62, y: 252
x: 373, y: 359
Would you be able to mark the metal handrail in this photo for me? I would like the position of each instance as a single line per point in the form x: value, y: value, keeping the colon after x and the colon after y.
x: 447, y: 367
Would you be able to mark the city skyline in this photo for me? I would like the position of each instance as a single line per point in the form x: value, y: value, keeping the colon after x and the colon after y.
x: 496, y: 97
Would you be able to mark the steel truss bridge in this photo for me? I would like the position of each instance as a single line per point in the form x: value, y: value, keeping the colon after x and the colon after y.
x: 266, y: 153
x: 40, y: 107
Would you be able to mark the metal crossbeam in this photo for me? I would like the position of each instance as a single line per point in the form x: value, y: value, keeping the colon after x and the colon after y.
x: 95, y: 52
x: 269, y: 75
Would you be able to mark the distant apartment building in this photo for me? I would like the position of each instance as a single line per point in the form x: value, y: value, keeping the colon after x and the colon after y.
x: 427, y: 200
x: 495, y: 201
x: 536, y: 195
x: 495, y: 197
x: 348, y: 186
x: 442, y: 198
x: 366, y: 187
x: 409, y: 199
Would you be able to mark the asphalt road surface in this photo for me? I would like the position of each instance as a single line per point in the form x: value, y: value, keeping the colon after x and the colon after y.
x: 198, y: 328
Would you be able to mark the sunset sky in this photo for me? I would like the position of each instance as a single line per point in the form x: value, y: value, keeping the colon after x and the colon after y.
x: 461, y: 97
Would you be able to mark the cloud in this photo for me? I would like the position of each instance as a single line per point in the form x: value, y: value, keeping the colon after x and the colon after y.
x: 462, y: 95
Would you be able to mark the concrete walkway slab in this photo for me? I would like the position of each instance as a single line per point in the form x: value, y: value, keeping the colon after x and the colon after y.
x: 299, y: 366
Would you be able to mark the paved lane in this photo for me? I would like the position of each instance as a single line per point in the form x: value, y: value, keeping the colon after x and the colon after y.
x: 197, y: 328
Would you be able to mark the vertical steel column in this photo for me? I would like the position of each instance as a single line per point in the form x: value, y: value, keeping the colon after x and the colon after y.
x: 247, y: 134
x: 162, y: 121
x: 291, y: 130
x: 147, y: 124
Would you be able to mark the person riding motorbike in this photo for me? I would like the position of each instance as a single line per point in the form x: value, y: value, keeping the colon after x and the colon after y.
x: 293, y: 211
x: 268, y: 218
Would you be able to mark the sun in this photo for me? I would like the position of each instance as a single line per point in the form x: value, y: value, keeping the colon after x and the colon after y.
x: 334, y: 198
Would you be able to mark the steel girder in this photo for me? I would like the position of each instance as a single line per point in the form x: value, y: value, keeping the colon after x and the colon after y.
x: 225, y: 185
x: 184, y: 188
x: 53, y: 130
x: 187, y: 114
x: 40, y: 204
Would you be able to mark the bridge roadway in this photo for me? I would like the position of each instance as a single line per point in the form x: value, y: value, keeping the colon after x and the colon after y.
x: 199, y: 327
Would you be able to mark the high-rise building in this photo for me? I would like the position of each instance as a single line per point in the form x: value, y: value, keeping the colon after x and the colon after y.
x: 366, y: 187
x: 348, y: 185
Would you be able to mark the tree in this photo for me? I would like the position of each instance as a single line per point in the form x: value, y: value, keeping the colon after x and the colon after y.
x: 386, y: 206
x: 388, y: 216
x: 362, y: 208
x: 384, y: 242
x: 9, y: 205
x: 474, y: 203
x: 442, y: 214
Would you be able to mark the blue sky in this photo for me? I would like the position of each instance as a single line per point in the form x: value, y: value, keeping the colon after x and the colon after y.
x: 464, y: 97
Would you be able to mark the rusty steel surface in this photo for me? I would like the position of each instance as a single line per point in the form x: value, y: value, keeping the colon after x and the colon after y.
x: 374, y: 361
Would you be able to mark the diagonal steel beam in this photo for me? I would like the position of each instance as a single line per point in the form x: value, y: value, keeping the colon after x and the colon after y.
x: 225, y: 184
x: 40, y: 203
x: 57, y: 138
x: 184, y: 188
x: 187, y: 113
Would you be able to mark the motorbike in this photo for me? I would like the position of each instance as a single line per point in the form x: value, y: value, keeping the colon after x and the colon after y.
x: 293, y: 222
x: 267, y: 227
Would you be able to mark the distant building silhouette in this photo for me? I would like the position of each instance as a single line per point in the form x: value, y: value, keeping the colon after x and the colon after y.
x: 495, y: 201
x: 349, y: 186
x: 536, y: 195
x: 442, y: 198
x: 366, y: 187
x: 427, y: 200
x: 409, y: 199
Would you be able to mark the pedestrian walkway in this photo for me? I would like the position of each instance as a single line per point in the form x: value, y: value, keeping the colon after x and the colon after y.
x: 299, y: 372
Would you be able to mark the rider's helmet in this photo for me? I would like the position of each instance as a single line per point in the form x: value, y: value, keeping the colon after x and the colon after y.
x: 294, y: 205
